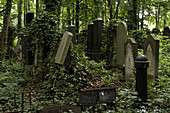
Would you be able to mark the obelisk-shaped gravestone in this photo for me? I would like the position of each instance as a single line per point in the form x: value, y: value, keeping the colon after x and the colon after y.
x: 151, y: 50
x: 121, y: 38
x: 131, y: 52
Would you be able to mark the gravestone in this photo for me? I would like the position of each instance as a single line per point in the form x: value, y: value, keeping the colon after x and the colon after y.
x: 166, y: 31
x: 61, y: 109
x: 63, y: 48
x: 94, y: 38
x: 121, y: 38
x: 131, y: 52
x: 151, y: 50
x: 97, y: 34
x: 90, y: 40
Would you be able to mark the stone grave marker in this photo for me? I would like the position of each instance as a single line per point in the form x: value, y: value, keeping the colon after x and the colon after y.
x: 166, y: 31
x: 151, y: 50
x: 90, y: 40
x: 61, y: 109
x: 63, y: 48
x: 121, y: 38
x: 97, y: 33
x: 131, y: 52
x: 94, y: 38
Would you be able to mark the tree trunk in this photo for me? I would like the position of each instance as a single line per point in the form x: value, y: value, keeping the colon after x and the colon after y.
x: 135, y: 22
x: 77, y: 17
x: 25, y: 11
x: 6, y: 20
x: 142, y: 20
x: 37, y: 7
x: 19, y: 14
x: 117, y: 10
x: 73, y: 15
x: 68, y: 12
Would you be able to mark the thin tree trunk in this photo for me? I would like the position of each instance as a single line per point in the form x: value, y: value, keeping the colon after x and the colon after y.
x: 37, y: 7
x: 25, y: 11
x: 157, y: 16
x: 77, y: 17
x: 117, y: 10
x: 142, y: 20
x: 19, y: 14
x: 73, y: 15
x: 4, y: 32
x: 68, y: 12
x: 135, y: 15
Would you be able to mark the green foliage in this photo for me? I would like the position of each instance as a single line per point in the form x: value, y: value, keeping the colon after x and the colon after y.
x: 11, y: 74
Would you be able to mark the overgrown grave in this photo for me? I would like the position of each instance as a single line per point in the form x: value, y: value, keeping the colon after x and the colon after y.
x: 151, y: 50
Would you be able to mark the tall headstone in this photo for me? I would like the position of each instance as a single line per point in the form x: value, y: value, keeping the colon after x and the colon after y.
x: 97, y: 34
x: 63, y: 48
x: 94, y: 38
x: 90, y: 40
x: 151, y: 50
x: 131, y: 52
x: 166, y: 31
x: 121, y: 38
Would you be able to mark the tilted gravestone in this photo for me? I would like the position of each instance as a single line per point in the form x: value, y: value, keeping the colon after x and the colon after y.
x: 151, y: 50
x: 18, y: 50
x: 131, y: 52
x: 121, y: 38
x: 166, y: 31
x: 61, y: 109
x: 63, y: 48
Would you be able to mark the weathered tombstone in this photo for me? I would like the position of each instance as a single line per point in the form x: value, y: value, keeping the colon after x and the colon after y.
x: 61, y: 109
x: 121, y: 38
x: 141, y: 65
x: 94, y: 38
x: 63, y: 48
x: 166, y: 31
x: 90, y: 40
x: 151, y: 50
x: 97, y: 34
x: 131, y: 52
